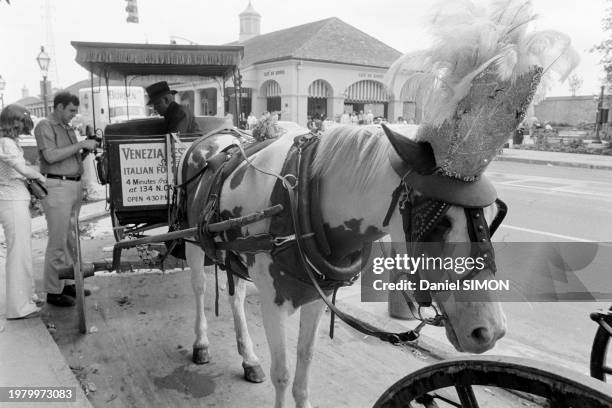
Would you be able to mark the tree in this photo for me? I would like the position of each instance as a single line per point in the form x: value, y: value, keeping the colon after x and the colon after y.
x: 605, y: 47
x: 575, y: 83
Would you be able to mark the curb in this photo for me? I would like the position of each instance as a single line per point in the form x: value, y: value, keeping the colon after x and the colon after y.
x: 555, y: 163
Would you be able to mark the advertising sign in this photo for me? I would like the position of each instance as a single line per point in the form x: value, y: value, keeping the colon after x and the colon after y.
x: 144, y: 172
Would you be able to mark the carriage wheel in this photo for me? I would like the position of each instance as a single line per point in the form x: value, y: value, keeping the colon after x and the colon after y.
x: 494, y: 381
x: 599, y: 352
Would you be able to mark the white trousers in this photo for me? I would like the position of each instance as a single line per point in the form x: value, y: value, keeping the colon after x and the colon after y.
x: 17, y: 225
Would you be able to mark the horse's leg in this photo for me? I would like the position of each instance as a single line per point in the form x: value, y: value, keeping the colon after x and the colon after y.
x: 195, y: 259
x: 275, y: 320
x: 250, y: 362
x: 310, y: 316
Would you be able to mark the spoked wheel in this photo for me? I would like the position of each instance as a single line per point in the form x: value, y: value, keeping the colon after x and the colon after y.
x: 600, y: 367
x: 496, y: 382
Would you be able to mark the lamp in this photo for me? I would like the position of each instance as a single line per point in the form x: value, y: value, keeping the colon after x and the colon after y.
x: 43, y: 62
x: 599, y: 115
x: 2, y: 85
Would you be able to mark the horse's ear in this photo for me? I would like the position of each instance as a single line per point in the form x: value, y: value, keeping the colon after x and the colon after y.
x: 418, y: 156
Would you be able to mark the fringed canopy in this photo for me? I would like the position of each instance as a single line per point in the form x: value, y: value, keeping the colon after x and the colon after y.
x: 118, y: 61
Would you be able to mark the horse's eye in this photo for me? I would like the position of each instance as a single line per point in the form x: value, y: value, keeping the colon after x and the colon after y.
x: 445, y: 222
x: 438, y: 232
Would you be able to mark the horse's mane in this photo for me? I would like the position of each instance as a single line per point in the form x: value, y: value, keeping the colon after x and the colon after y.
x: 353, y: 153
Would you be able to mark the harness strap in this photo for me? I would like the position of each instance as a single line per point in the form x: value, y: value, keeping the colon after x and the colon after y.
x: 332, y: 319
x: 394, y: 199
x: 502, y: 210
x: 343, y: 274
x: 216, y: 291
x: 359, y: 325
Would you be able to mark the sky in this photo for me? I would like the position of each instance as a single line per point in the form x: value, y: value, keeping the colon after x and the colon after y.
x: 398, y: 23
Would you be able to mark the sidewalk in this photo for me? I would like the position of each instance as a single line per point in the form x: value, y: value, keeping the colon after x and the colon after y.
x: 30, y: 356
x: 590, y: 161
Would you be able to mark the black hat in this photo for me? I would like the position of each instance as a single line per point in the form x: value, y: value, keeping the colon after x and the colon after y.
x: 157, y: 90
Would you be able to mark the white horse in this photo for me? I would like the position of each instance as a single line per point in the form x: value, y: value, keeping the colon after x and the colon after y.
x: 356, y: 182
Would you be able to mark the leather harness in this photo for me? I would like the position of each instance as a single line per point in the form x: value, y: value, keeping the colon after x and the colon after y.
x: 298, y: 233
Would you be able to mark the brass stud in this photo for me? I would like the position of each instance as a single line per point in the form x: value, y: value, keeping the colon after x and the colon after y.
x: 477, y: 215
x: 480, y: 228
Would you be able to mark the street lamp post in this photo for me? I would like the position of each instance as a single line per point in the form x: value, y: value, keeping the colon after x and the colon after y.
x: 43, y: 62
x: 2, y: 85
x: 598, y: 117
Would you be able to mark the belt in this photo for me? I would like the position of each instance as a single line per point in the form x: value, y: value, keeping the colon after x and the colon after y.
x: 57, y: 176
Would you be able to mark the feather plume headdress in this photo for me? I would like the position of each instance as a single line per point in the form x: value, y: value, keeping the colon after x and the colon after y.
x: 479, y: 77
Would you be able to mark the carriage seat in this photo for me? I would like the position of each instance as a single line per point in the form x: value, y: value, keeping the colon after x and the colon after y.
x: 156, y: 125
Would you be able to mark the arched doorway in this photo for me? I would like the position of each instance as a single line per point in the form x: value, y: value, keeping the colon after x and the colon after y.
x: 271, y: 90
x: 318, y: 92
x: 412, y: 109
x: 367, y: 96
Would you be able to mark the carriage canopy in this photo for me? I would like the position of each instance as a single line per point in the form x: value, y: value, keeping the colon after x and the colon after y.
x: 119, y: 61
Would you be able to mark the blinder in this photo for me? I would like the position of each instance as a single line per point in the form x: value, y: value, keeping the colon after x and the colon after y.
x: 420, y: 215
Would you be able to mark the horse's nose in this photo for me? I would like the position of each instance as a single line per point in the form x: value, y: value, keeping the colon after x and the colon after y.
x: 485, y: 337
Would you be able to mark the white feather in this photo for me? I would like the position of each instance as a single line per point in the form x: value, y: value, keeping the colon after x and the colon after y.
x: 470, y: 37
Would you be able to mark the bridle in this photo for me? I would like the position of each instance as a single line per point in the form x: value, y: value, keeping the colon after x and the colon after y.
x: 420, y: 215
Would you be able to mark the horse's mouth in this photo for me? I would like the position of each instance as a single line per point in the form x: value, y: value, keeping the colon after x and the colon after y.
x: 450, y: 331
x: 452, y: 337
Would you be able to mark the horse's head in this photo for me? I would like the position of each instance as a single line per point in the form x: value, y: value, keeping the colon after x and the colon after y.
x: 441, y: 209
x: 474, y: 85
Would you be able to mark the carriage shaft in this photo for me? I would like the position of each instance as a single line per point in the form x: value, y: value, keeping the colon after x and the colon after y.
x: 191, y: 232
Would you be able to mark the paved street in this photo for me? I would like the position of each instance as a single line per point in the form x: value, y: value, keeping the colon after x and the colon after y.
x: 554, y: 204
x: 550, y: 203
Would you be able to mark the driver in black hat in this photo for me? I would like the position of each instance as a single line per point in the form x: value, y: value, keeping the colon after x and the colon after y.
x: 178, y: 117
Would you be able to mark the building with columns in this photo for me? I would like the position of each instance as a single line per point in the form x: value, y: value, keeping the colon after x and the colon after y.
x: 325, y: 67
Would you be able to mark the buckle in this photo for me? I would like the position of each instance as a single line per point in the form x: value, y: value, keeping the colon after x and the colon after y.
x: 279, y: 241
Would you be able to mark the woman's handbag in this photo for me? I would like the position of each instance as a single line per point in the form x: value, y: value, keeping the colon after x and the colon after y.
x: 36, y: 188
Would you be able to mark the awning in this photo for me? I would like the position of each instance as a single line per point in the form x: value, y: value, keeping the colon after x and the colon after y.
x: 319, y: 89
x: 119, y: 61
x: 272, y: 89
x: 366, y: 92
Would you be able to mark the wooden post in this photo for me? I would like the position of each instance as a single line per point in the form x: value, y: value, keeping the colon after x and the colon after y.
x: 598, y: 116
x: 79, y: 281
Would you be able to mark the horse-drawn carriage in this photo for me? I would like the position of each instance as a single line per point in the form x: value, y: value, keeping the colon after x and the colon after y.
x: 335, y: 193
x: 139, y: 197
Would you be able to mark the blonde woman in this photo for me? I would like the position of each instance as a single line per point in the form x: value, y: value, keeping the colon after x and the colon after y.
x: 15, y: 213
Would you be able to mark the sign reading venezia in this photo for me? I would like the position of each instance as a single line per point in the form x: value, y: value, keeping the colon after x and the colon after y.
x: 142, y: 153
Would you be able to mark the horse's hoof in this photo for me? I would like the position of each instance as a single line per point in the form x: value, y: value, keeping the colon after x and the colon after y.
x: 200, y: 355
x: 253, y: 374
